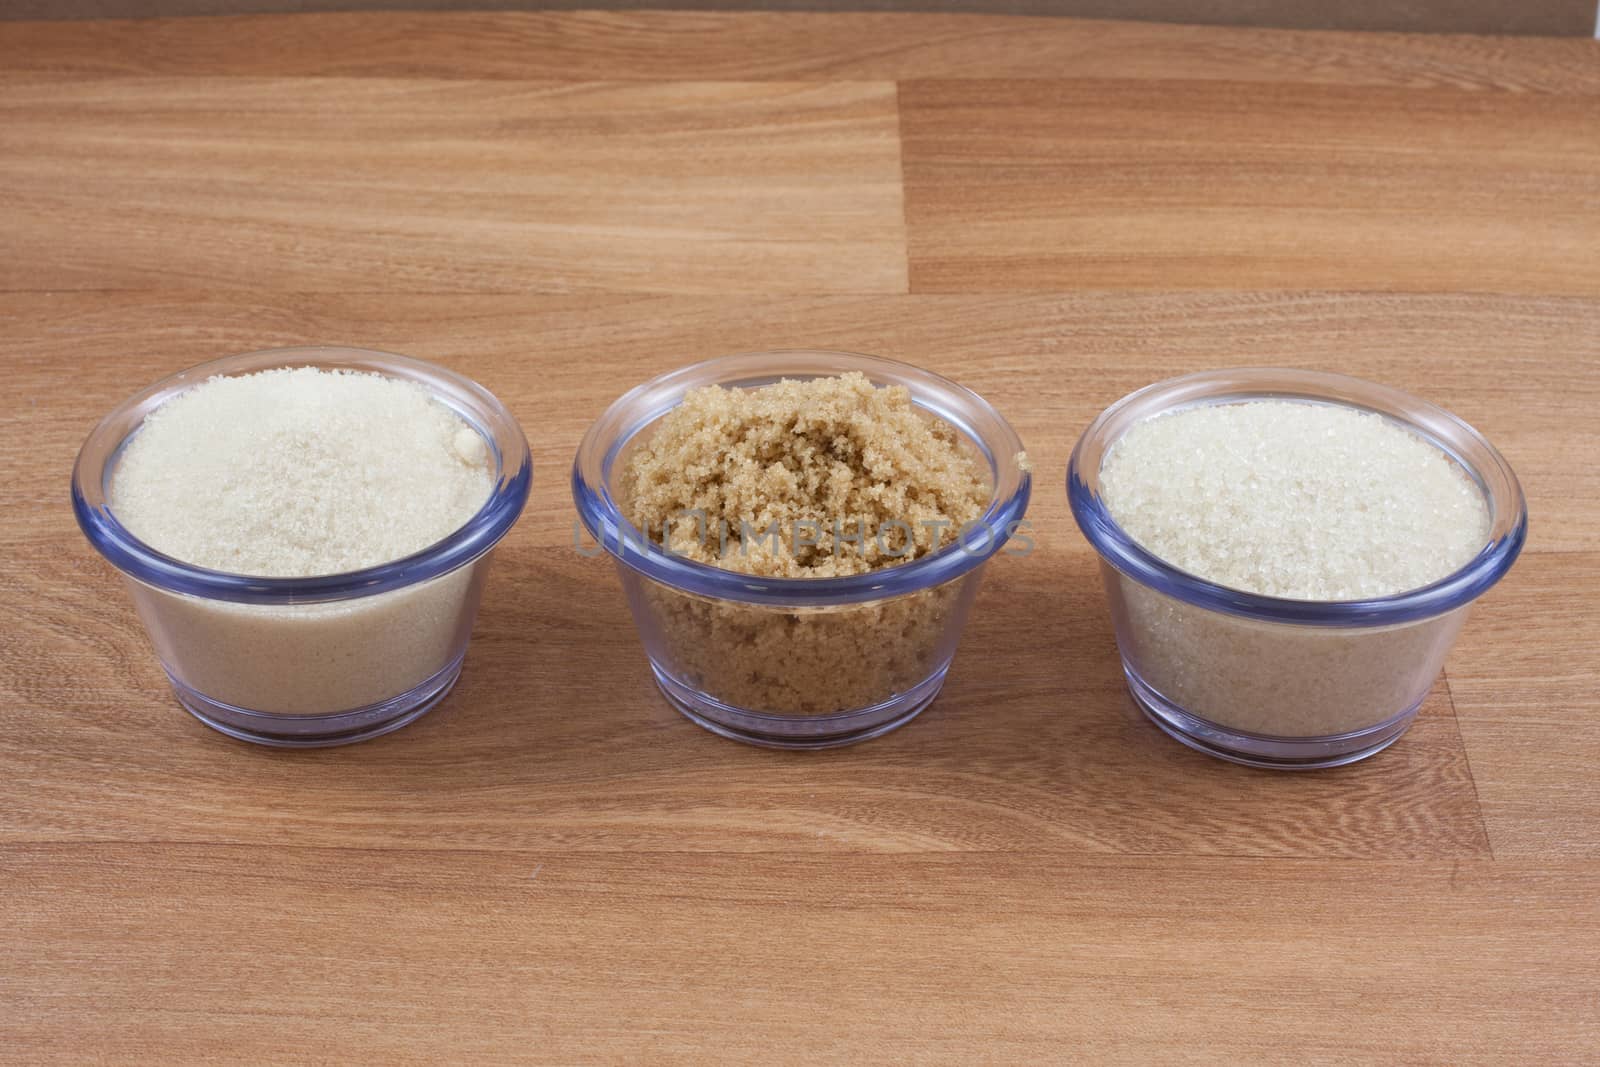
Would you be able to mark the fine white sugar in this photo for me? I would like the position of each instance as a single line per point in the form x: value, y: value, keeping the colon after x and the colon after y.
x: 300, y: 471
x: 1307, y: 501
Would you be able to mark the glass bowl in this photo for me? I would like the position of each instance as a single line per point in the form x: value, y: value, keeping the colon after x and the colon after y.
x: 324, y: 660
x: 798, y: 662
x: 1276, y: 682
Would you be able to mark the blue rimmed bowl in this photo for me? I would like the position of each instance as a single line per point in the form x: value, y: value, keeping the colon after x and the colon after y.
x: 799, y: 662
x: 323, y: 660
x: 1275, y: 682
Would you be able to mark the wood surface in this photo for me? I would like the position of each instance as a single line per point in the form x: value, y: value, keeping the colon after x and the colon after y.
x: 553, y: 866
x: 1548, y: 18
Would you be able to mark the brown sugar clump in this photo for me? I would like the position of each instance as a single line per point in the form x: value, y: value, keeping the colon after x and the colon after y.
x: 804, y: 479
x: 826, y: 454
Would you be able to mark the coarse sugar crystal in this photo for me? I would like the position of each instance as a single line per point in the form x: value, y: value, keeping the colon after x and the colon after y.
x: 1288, y: 499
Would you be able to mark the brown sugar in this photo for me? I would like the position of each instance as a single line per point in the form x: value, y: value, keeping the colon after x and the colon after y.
x: 821, y: 454
x: 804, y: 479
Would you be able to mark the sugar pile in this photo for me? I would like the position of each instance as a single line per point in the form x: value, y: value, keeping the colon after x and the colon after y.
x: 1298, y: 500
x: 299, y: 471
x: 296, y: 472
x: 836, y: 451
x: 830, y: 451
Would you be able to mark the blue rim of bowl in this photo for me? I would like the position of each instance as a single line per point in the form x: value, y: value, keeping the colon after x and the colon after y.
x: 1502, y: 492
x: 623, y: 541
x: 478, y: 535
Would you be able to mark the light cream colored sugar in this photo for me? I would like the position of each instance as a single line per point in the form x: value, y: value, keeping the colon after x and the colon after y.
x: 300, y: 471
x: 1306, y: 501
x: 296, y: 472
x: 1277, y: 679
x: 824, y: 450
x: 313, y: 659
x: 1299, y: 500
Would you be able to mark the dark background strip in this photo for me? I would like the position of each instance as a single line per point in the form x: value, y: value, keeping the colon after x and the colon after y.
x: 1565, y: 18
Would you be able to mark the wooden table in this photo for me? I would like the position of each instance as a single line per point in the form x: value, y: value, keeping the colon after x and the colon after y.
x: 553, y: 865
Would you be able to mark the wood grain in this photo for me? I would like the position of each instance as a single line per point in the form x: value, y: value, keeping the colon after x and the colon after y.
x: 794, y: 957
x: 1528, y: 700
x: 1042, y: 185
x: 1549, y: 18
x: 553, y: 865
x: 755, y: 46
x: 450, y: 186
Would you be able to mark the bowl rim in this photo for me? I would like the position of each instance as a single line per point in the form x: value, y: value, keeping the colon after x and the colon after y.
x: 140, y: 561
x: 1481, y: 460
x: 641, y: 406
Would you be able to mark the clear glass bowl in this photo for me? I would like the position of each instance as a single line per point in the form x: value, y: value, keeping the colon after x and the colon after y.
x: 325, y: 660
x: 1274, y: 682
x: 797, y: 662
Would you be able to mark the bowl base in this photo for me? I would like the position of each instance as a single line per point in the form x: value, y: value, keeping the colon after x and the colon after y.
x: 799, y: 731
x: 1259, y: 750
x: 320, y: 731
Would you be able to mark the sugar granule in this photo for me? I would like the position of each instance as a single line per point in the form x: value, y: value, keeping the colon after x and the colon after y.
x: 829, y: 451
x: 1307, y: 501
x: 299, y: 471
